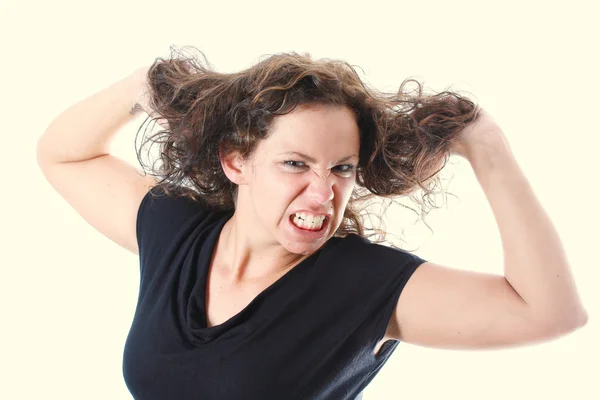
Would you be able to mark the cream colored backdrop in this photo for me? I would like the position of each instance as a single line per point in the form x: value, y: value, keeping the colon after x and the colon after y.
x: 68, y: 294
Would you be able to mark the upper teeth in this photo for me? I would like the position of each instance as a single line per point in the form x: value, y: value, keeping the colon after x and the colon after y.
x: 310, y: 219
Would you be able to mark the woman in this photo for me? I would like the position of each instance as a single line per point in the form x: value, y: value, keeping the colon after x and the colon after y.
x: 258, y: 277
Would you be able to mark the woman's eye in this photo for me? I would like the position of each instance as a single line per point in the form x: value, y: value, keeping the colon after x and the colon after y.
x: 346, y: 168
x: 294, y: 164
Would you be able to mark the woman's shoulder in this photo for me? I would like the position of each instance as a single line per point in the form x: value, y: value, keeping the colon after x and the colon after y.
x: 177, y: 201
x: 167, y: 213
x: 363, y: 250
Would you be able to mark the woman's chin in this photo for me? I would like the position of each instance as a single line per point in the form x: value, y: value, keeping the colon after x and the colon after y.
x: 304, y: 249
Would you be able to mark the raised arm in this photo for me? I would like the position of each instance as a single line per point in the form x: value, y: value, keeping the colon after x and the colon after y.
x: 535, y: 300
x: 74, y: 155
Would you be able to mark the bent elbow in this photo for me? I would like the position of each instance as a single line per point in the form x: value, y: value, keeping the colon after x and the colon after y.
x: 582, y: 319
x: 573, y: 321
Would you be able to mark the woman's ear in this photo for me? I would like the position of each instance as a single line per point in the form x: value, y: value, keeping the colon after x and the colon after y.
x: 233, y: 164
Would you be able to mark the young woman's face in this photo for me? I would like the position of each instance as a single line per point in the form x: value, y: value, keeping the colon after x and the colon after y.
x: 303, y: 172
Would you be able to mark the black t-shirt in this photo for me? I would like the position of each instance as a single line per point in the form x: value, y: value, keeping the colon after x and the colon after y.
x: 310, y: 335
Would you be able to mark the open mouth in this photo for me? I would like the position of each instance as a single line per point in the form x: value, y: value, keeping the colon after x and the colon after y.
x: 308, y: 222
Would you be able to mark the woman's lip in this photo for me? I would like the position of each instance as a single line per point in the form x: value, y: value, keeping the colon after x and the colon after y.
x: 325, y: 220
x: 310, y: 233
x: 327, y: 215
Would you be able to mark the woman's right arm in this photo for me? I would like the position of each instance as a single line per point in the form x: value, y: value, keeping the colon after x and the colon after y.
x: 74, y: 155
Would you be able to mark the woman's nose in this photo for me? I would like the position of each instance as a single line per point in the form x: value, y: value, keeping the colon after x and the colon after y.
x: 321, y: 186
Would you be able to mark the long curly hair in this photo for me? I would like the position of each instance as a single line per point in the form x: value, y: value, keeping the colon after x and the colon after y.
x: 405, y: 137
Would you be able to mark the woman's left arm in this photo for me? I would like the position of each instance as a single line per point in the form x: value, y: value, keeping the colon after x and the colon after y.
x: 536, y: 299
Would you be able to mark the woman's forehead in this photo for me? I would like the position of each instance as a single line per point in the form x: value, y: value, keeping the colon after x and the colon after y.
x: 316, y: 118
x: 307, y: 157
x: 331, y: 130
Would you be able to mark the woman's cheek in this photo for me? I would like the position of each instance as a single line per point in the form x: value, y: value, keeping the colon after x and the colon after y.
x: 288, y: 179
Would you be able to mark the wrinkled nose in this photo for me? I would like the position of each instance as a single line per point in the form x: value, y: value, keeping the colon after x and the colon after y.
x: 322, y: 173
x: 321, y: 187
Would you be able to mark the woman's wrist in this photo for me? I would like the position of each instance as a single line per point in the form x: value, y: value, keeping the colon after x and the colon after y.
x: 138, y: 81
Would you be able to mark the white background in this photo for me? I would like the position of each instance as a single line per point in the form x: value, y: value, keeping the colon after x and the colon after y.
x: 67, y: 294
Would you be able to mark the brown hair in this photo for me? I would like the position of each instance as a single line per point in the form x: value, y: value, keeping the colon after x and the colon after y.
x: 405, y: 137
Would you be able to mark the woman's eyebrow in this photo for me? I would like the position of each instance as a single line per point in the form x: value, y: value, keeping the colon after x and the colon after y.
x: 312, y: 160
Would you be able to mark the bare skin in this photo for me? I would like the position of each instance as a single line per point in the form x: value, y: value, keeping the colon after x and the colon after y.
x: 535, y: 300
x: 443, y: 307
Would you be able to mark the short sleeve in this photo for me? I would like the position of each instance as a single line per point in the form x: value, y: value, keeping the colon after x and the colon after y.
x: 164, y: 224
x: 369, y: 281
x: 396, y: 267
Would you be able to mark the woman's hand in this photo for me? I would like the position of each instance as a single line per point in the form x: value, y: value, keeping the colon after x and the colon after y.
x: 140, y: 82
x: 483, y: 133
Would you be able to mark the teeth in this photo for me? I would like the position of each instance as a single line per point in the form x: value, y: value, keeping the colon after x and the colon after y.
x: 308, y: 221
